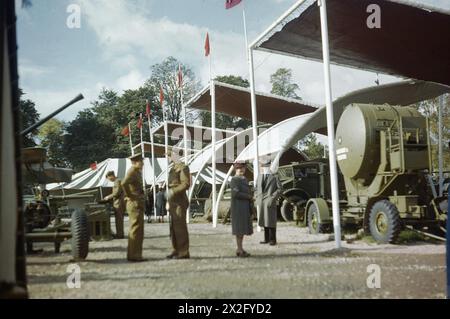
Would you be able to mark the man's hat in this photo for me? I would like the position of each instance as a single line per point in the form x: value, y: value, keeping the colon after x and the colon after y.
x: 265, y: 162
x: 239, y: 165
x: 110, y: 173
x: 136, y: 157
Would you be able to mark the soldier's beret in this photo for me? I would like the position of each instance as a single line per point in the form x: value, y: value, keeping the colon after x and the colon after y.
x: 136, y: 157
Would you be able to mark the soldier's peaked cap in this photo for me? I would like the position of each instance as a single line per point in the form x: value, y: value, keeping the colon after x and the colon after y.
x: 136, y: 157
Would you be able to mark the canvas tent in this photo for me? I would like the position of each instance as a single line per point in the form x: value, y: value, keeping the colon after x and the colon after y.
x: 90, y: 178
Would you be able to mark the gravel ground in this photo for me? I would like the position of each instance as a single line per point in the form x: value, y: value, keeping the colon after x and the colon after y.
x: 300, y: 266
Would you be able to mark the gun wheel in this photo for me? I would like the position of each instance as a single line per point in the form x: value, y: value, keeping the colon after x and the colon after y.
x: 80, y: 235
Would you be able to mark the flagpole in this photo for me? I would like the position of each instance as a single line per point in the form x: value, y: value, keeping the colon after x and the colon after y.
x: 131, y: 140
x: 185, y: 131
x: 142, y: 153
x: 166, y: 148
x: 245, y: 29
x: 213, y: 140
x: 153, y: 163
x: 330, y: 124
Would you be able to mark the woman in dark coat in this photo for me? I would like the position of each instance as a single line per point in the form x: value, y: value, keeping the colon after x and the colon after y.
x: 161, y: 203
x: 241, y: 199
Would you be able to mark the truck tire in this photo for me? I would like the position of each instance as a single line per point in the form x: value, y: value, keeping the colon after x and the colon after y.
x: 288, y: 209
x: 80, y: 234
x: 384, y: 222
x: 314, y: 226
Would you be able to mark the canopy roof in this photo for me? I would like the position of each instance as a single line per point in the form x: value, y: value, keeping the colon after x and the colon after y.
x: 235, y: 101
x: 412, y: 41
x: 288, y: 132
x: 160, y: 150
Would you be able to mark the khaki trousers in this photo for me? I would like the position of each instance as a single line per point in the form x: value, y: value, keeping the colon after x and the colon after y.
x: 178, y: 230
x: 136, y: 232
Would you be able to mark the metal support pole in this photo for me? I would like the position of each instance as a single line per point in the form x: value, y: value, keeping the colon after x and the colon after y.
x: 330, y: 124
x: 153, y: 165
x: 213, y: 157
x: 254, y: 120
x: 440, y: 151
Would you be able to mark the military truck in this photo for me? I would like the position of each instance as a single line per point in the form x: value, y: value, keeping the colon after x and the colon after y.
x: 384, y: 157
x: 302, y: 181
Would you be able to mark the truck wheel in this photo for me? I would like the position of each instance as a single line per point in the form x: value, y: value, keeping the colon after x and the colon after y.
x: 384, y: 222
x: 288, y: 209
x: 314, y: 226
x: 80, y: 234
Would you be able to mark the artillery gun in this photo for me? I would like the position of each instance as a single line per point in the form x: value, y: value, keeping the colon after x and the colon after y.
x: 384, y: 156
x: 51, y: 218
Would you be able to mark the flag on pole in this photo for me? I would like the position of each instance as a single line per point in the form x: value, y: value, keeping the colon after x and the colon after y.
x: 161, y: 96
x: 125, y: 131
x: 180, y: 76
x: 148, y: 111
x: 139, y: 122
x: 207, y: 47
x: 231, y: 3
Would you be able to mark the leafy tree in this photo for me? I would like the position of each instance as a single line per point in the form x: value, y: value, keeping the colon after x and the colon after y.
x: 87, y: 140
x: 282, y: 84
x: 430, y: 108
x: 51, y: 135
x: 311, y: 147
x: 28, y: 116
x: 164, y: 75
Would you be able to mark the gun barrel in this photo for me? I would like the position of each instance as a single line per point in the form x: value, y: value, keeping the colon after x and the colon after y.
x: 79, y: 97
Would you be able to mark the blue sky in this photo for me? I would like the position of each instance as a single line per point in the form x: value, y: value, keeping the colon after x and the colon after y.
x: 119, y: 40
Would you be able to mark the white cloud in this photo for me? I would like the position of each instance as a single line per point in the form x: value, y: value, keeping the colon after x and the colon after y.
x: 133, y: 80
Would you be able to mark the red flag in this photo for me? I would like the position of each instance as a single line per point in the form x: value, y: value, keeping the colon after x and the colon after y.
x: 125, y: 131
x: 148, y: 111
x: 231, y: 3
x: 161, y: 96
x: 180, y: 76
x: 139, y: 122
x: 93, y: 166
x: 207, y: 47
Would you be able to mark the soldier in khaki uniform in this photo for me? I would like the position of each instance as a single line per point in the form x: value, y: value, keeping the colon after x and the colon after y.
x: 118, y: 198
x: 134, y: 192
x: 178, y: 203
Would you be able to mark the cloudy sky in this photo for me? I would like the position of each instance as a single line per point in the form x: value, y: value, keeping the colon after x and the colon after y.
x: 119, y: 40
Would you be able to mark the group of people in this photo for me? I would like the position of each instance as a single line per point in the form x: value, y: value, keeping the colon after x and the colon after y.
x: 128, y: 195
x: 243, y: 201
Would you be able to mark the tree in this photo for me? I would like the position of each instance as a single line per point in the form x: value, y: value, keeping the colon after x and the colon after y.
x: 28, y: 116
x: 51, y: 135
x: 87, y: 140
x: 430, y: 108
x: 311, y: 147
x: 282, y: 84
x: 164, y: 75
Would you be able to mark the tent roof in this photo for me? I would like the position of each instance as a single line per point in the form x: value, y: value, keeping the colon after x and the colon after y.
x: 411, y: 42
x: 235, y: 101
x: 90, y: 178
